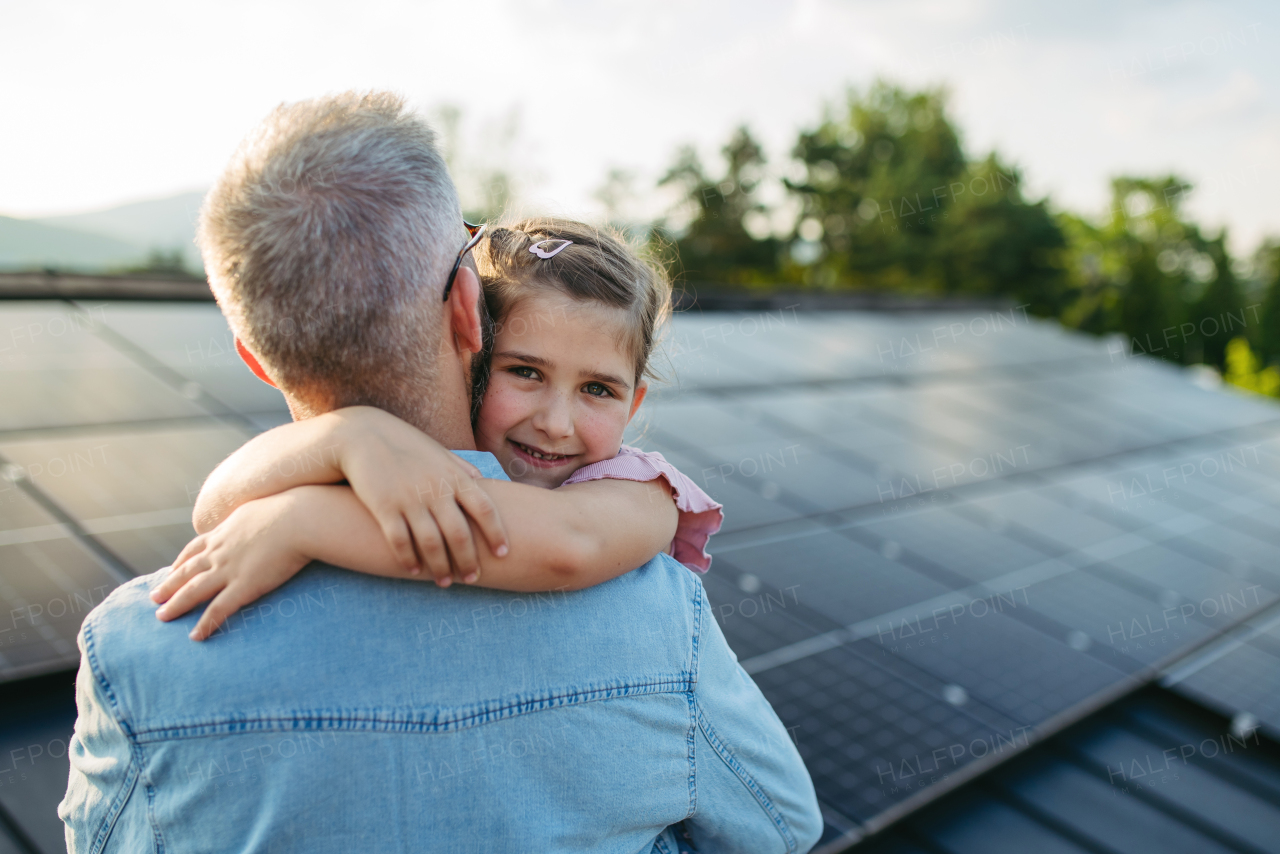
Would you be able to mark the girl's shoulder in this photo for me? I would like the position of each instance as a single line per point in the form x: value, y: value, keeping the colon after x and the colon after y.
x: 700, y: 514
x: 635, y: 464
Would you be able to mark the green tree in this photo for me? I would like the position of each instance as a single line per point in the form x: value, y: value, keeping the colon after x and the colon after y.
x: 995, y: 243
x: 1267, y: 331
x: 482, y: 163
x: 1218, y: 315
x: 880, y: 177
x: 1140, y: 270
x: 716, y: 246
x: 890, y: 202
x: 1244, y: 371
x: 161, y: 263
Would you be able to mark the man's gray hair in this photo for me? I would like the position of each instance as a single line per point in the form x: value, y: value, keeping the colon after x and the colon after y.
x: 328, y: 240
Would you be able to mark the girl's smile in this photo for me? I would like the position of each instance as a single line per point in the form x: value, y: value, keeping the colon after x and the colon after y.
x: 539, y: 458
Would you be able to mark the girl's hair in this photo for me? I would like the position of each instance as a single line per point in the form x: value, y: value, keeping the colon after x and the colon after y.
x: 598, y: 265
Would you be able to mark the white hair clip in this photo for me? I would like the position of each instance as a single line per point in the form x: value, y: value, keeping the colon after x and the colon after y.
x: 542, y: 253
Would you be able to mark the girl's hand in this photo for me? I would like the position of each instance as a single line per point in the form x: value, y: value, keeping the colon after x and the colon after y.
x: 250, y: 554
x: 420, y: 493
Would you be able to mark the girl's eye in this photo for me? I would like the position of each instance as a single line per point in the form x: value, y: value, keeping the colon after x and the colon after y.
x: 597, y: 390
x: 524, y: 372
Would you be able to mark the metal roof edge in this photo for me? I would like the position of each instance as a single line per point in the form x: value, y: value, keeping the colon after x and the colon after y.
x: 55, y: 285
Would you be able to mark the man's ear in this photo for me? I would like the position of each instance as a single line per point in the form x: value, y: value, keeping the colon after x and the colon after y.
x: 253, y: 363
x: 464, y: 311
x: 642, y: 388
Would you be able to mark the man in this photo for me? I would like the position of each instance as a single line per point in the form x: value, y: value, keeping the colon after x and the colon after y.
x: 350, y: 713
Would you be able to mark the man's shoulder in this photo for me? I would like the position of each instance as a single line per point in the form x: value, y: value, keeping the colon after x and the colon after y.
x: 334, y: 639
x: 121, y: 618
x: 486, y: 462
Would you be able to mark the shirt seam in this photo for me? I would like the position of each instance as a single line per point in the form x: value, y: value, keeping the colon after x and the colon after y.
x: 692, y: 738
x: 698, y: 597
x: 134, y: 771
x: 157, y: 838
x: 779, y: 822
x: 103, y: 836
x: 100, y: 676
x: 373, y: 720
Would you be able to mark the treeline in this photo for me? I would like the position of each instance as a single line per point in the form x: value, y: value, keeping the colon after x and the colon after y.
x: 882, y: 196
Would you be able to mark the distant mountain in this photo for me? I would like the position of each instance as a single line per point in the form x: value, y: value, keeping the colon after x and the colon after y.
x: 27, y: 244
x: 166, y: 224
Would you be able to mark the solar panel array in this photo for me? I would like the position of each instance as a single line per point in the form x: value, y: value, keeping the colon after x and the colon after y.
x: 112, y: 417
x: 1231, y: 674
x: 1149, y: 773
x: 946, y: 534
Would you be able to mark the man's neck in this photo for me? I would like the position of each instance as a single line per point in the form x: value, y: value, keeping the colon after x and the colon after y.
x: 447, y: 414
x: 443, y: 412
x: 446, y: 418
x: 454, y: 436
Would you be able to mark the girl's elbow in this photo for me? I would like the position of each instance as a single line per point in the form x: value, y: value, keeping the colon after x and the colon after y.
x: 577, y: 563
x: 209, y: 514
x: 202, y: 520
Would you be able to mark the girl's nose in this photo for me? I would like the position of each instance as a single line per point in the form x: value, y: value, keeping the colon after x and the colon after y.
x: 554, y: 418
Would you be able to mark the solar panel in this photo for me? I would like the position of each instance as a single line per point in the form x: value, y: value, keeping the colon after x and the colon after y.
x: 195, y: 345
x: 58, y: 372
x: 49, y: 580
x: 843, y: 580
x: 1237, y: 675
x: 1129, y: 629
x: 939, y: 544
x: 869, y: 738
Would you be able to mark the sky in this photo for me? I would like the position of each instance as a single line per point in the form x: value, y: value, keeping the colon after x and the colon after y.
x: 106, y: 103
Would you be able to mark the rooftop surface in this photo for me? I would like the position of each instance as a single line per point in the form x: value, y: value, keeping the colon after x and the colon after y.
x: 949, y: 536
x: 1151, y: 773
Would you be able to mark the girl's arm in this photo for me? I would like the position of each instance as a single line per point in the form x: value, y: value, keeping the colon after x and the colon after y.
x: 578, y: 535
x: 420, y: 493
x: 294, y: 454
x: 264, y: 543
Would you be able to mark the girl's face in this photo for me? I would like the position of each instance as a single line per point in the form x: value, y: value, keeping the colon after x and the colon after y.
x: 561, y: 389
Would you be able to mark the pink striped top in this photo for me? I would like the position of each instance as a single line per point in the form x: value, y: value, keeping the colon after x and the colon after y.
x: 700, y: 514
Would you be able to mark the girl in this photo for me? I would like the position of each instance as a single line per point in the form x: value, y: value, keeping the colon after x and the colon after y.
x: 577, y: 315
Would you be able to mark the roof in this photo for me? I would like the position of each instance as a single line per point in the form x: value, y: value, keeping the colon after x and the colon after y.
x: 1152, y: 773
x: 948, y: 537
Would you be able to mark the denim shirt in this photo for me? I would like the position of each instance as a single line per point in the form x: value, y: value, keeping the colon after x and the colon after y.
x: 344, y: 712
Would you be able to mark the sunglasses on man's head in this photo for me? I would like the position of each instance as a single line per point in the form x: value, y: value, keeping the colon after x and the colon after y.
x: 476, y: 231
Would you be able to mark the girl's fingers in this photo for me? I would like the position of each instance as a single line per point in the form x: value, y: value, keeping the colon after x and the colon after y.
x: 431, y: 548
x: 467, y: 467
x: 199, y: 589
x: 457, y: 536
x: 178, y: 576
x: 399, y: 537
x: 480, y: 507
x: 191, y: 549
x: 180, y: 572
x: 226, y: 603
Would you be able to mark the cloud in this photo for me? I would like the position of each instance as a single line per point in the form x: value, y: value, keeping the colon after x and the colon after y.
x: 156, y: 95
x: 1239, y: 97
